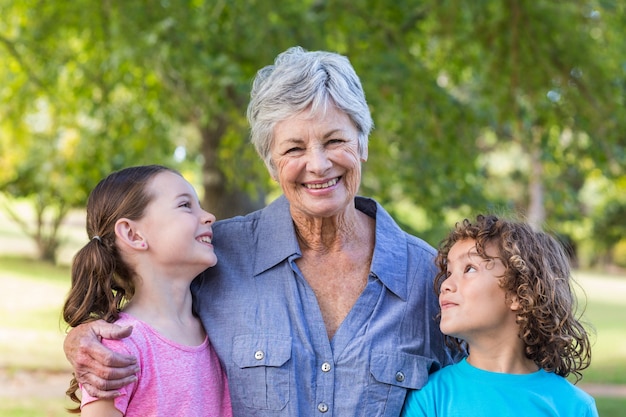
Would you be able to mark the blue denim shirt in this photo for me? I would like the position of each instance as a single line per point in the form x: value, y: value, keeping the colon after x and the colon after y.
x: 266, y: 326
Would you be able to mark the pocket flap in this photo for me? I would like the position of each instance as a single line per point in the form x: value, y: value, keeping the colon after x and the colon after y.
x: 401, y: 369
x: 250, y: 350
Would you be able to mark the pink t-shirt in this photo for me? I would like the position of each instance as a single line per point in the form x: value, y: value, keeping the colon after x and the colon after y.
x: 174, y: 380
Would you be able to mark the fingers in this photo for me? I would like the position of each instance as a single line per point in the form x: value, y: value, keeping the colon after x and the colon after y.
x: 102, y: 388
x: 111, y: 331
x: 104, y: 358
x: 101, y: 370
x: 104, y: 381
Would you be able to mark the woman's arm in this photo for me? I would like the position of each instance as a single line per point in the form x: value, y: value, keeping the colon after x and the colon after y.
x: 100, y: 370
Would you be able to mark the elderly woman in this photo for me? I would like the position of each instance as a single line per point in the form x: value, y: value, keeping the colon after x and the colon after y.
x: 320, y: 304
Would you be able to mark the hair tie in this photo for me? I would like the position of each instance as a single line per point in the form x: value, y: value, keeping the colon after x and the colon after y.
x: 96, y: 237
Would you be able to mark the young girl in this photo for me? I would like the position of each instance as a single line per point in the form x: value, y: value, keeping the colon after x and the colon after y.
x: 149, y: 238
x: 505, y: 296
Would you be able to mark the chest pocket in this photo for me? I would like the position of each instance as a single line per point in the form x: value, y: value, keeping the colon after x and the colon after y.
x: 263, y: 368
x: 401, y: 369
x: 393, y: 374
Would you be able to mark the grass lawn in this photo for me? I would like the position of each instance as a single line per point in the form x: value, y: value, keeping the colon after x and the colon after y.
x: 605, y: 310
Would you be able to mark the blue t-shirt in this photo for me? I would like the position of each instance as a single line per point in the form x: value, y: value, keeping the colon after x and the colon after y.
x: 462, y: 390
x: 264, y: 321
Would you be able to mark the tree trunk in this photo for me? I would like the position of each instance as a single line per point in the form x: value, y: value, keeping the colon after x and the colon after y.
x: 219, y: 198
x: 536, y: 208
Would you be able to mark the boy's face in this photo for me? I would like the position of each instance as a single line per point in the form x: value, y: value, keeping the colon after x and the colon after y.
x: 473, y: 305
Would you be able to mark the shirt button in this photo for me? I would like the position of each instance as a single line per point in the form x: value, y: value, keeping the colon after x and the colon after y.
x: 258, y: 355
x: 399, y: 376
x: 326, y: 367
x: 322, y: 407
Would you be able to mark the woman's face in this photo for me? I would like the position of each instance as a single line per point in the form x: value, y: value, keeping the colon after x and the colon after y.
x: 318, y: 163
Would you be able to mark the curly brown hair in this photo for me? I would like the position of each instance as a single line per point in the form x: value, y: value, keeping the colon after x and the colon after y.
x: 538, y: 274
x: 102, y: 282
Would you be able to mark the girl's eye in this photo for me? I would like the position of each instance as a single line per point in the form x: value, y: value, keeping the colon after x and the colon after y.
x: 470, y: 268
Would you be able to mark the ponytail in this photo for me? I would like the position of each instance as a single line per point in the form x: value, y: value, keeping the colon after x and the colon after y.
x: 95, y: 292
x: 101, y: 281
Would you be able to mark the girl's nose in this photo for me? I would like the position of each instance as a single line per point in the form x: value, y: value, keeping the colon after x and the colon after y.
x: 208, y: 217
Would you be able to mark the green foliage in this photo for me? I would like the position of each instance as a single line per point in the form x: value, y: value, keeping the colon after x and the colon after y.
x: 477, y: 105
x: 607, y: 207
x: 619, y: 253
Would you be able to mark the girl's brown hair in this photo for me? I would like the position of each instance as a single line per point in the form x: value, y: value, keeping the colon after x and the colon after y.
x: 538, y: 274
x: 101, y: 280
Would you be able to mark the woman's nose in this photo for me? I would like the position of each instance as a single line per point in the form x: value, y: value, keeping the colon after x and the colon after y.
x: 318, y: 160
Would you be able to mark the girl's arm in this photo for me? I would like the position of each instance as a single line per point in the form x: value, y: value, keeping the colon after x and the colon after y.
x: 101, y: 408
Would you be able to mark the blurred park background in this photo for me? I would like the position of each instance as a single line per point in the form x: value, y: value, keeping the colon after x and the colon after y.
x: 512, y: 107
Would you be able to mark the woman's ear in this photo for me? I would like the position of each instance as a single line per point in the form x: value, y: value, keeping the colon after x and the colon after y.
x: 128, y: 235
x: 271, y: 169
x: 364, y: 154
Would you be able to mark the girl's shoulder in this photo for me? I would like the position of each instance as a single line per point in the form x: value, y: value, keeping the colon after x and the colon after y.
x: 131, y: 344
x: 145, y: 335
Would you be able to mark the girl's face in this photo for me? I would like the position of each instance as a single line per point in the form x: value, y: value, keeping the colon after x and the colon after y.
x: 175, y: 228
x: 473, y: 305
x: 318, y: 162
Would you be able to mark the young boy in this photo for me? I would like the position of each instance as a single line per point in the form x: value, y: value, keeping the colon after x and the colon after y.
x: 505, y: 295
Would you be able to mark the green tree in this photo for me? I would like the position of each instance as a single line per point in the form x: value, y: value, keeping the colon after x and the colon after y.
x: 71, y: 112
x: 477, y: 105
x: 545, y: 74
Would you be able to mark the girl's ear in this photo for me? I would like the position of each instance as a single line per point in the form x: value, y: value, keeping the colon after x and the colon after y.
x: 126, y: 231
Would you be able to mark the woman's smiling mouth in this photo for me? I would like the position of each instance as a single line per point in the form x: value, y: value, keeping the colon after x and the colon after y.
x: 326, y: 184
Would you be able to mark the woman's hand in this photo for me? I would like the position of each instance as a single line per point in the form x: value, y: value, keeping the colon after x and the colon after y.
x: 100, y: 370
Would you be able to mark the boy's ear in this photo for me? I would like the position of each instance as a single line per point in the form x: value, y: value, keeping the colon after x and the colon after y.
x: 514, y: 303
x: 128, y: 235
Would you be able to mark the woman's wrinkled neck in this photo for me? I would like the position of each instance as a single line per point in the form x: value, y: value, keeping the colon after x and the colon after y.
x: 326, y: 234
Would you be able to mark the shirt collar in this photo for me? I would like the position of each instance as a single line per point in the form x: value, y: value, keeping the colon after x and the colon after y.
x: 277, y: 235
x: 389, y: 263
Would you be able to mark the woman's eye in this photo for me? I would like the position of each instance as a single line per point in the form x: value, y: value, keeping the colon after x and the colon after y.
x: 186, y: 204
x: 291, y: 150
